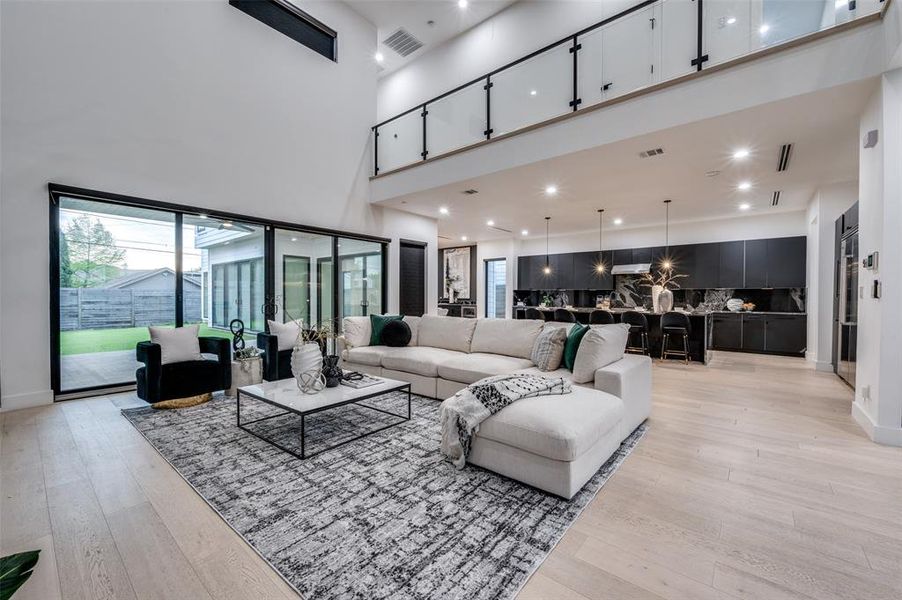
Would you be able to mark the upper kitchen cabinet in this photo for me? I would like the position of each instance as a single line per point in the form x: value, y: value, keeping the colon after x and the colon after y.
x: 731, y: 271
x: 561, y: 271
x: 585, y: 272
x: 786, y: 262
x: 707, y: 267
x: 755, y: 264
x: 524, y: 273
x: 624, y: 256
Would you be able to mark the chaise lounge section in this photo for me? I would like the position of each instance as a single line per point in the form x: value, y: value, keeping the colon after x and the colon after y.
x: 554, y: 443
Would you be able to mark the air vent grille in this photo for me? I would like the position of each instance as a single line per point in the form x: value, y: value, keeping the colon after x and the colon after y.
x: 403, y: 42
x: 776, y: 199
x: 470, y: 192
x: 785, y: 153
x: 652, y: 152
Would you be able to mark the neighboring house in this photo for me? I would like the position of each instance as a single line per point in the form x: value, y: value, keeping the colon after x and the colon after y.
x: 162, y: 279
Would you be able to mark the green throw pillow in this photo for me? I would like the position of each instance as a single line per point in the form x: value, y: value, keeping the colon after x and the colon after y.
x: 573, y: 339
x: 378, y: 322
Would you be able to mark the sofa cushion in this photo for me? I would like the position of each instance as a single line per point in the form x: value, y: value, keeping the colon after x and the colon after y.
x: 414, y: 324
x: 574, y: 337
x: 286, y: 333
x: 377, y: 323
x: 557, y: 427
x: 367, y: 355
x: 419, y: 360
x: 449, y: 333
x: 601, y: 346
x: 356, y: 331
x: 510, y: 337
x: 469, y: 368
x: 177, y: 344
x: 548, y: 350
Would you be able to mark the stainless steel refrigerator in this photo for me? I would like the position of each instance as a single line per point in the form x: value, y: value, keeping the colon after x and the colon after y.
x: 847, y: 313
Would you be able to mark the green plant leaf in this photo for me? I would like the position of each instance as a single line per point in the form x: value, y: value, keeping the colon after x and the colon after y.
x: 15, y: 570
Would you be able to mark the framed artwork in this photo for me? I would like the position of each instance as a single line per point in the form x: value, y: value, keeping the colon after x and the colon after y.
x: 456, y: 273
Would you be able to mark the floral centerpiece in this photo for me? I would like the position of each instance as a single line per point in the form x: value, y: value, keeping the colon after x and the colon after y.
x: 661, y: 284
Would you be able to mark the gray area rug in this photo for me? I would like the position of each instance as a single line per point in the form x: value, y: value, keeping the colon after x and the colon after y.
x: 382, y: 517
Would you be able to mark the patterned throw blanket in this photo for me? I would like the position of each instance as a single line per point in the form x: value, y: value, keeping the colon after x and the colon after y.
x: 462, y: 413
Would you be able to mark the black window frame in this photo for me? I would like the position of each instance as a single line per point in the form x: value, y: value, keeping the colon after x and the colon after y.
x: 289, y: 20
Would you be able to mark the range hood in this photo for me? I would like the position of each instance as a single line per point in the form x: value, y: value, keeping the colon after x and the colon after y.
x: 634, y: 269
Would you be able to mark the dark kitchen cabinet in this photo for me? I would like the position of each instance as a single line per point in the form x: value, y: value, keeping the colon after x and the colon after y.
x: 731, y: 265
x: 642, y: 255
x: 754, y: 332
x: 786, y: 260
x: 561, y: 271
x: 623, y: 256
x: 786, y: 334
x: 585, y: 272
x: 727, y: 332
x: 755, y: 264
x: 706, y: 273
x: 524, y: 273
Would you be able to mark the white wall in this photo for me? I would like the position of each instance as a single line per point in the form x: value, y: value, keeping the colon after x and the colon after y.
x: 715, y: 230
x: 827, y: 205
x: 878, y: 401
x: 189, y: 102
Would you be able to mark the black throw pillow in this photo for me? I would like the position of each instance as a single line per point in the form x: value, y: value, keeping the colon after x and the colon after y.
x: 395, y: 334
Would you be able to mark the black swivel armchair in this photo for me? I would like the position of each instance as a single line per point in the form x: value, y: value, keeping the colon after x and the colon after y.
x: 280, y: 367
x: 158, y: 382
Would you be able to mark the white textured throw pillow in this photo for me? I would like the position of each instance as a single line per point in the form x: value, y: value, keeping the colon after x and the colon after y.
x: 287, y: 333
x: 178, y: 344
x: 357, y: 331
x: 602, y: 345
x: 548, y: 350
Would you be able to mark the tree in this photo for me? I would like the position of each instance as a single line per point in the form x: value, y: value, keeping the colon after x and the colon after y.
x: 65, y: 263
x: 93, y: 255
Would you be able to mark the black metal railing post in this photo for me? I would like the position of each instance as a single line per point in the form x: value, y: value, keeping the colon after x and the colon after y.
x: 699, y: 56
x: 423, y: 114
x: 488, y: 107
x: 574, y: 50
x: 375, y: 151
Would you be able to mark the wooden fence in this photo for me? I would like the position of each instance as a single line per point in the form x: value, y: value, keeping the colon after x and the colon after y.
x: 103, y: 308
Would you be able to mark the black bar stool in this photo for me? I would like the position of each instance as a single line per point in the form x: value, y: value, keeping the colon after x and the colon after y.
x: 677, y: 324
x: 638, y: 325
x: 534, y: 313
x: 562, y: 315
x: 601, y: 317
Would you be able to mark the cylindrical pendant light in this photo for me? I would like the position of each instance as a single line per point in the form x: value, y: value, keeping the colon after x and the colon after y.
x: 599, y: 265
x: 547, y: 268
x: 666, y: 262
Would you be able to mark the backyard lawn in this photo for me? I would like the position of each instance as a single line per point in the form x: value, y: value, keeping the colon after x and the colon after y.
x: 107, y: 340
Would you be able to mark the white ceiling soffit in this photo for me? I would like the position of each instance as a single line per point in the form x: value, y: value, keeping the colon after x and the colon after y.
x: 414, y: 16
x: 697, y: 170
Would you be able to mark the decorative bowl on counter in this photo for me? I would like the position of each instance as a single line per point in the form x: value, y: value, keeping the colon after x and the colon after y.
x: 734, y: 305
x: 748, y: 306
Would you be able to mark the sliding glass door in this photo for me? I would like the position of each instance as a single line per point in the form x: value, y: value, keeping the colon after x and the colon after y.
x: 117, y: 275
x: 121, y: 264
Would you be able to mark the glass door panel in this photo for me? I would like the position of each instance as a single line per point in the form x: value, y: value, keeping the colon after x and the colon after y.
x: 300, y: 260
x: 117, y: 277
x: 360, y: 277
x: 495, y: 288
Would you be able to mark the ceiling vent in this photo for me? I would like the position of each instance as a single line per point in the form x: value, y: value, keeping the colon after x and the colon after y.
x: 785, y: 153
x: 496, y: 228
x: 444, y: 237
x: 652, y: 152
x: 403, y: 42
x: 776, y: 199
x: 470, y: 192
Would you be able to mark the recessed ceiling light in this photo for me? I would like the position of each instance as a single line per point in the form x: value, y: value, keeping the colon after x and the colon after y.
x: 551, y: 190
x: 463, y: 238
x: 443, y: 210
x: 524, y: 232
x: 379, y: 57
x: 731, y: 20
x: 745, y: 206
x: 764, y: 28
x: 490, y: 223
x: 741, y: 153
x: 618, y: 221
x: 462, y: 4
x: 294, y: 239
x: 744, y: 186
x: 533, y: 92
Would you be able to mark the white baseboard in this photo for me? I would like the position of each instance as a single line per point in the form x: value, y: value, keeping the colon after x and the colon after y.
x: 823, y: 366
x: 890, y: 436
x: 26, y: 400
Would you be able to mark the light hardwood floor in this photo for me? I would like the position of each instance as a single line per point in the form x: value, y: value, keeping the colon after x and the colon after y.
x: 752, y: 482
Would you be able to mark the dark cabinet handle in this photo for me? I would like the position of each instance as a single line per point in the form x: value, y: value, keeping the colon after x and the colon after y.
x: 605, y: 87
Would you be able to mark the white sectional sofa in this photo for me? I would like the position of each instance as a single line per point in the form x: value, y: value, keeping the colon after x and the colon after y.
x: 555, y: 443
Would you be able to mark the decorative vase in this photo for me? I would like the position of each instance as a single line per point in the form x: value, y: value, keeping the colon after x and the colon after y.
x: 665, y: 301
x: 331, y: 371
x: 307, y: 367
x: 656, y: 297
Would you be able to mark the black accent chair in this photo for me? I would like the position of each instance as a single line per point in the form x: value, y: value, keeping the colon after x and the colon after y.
x: 601, y: 317
x: 280, y: 368
x: 158, y: 382
x: 638, y: 326
x: 535, y: 313
x: 675, y: 324
x: 562, y: 315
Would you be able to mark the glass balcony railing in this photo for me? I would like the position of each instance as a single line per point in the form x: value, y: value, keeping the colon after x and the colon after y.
x: 647, y: 44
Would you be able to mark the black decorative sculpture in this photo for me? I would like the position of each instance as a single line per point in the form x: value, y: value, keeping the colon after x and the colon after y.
x: 236, y: 326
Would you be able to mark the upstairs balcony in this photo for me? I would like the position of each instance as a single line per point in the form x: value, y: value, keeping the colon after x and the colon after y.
x: 643, y: 49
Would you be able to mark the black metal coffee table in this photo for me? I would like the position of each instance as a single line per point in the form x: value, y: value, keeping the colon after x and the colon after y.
x: 285, y: 394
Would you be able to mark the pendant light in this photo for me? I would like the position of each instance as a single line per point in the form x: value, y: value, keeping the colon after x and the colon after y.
x: 547, y: 269
x: 666, y: 262
x: 599, y: 265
